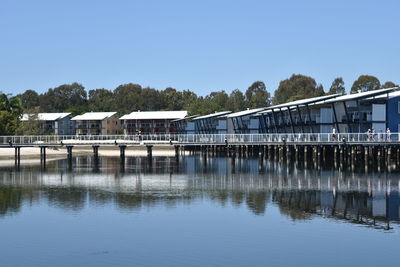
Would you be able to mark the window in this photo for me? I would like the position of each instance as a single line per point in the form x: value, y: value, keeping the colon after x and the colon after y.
x: 398, y: 107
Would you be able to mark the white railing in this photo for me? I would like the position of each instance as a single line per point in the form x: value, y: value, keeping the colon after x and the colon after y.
x: 200, y: 138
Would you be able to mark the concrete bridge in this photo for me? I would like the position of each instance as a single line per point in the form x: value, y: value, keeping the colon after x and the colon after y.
x: 319, y: 146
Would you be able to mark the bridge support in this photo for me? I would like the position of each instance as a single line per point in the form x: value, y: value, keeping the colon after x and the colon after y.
x: 95, y: 158
x: 17, y: 156
x: 122, y: 149
x: 149, y: 151
x: 95, y: 151
x: 43, y: 156
x: 176, y: 152
x: 69, y: 153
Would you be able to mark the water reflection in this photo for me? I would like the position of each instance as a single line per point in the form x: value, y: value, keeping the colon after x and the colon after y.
x: 301, y: 194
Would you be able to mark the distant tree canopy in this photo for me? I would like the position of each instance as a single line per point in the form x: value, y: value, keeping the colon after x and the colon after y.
x: 10, y: 112
x: 129, y: 97
x: 63, y: 97
x: 257, y: 95
x: 29, y: 99
x: 297, y: 87
x: 365, y: 83
x: 236, y: 101
x: 389, y: 84
x: 337, y: 87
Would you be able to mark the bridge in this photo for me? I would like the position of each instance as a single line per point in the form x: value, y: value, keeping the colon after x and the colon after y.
x: 276, y: 145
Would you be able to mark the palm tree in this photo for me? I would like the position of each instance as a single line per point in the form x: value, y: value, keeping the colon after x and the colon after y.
x: 12, y: 105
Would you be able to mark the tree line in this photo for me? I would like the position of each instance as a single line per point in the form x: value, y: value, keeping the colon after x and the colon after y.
x: 131, y: 97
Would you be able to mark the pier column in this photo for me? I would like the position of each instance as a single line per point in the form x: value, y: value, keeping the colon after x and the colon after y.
x: 122, y: 149
x: 17, y: 156
x: 149, y: 151
x: 176, y: 151
x: 43, y: 156
x: 96, y: 151
x: 69, y: 153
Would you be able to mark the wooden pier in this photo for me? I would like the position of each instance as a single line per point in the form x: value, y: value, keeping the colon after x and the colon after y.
x: 309, y: 149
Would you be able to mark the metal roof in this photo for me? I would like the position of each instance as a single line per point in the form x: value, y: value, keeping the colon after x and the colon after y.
x: 93, y: 116
x: 305, y: 101
x: 391, y: 94
x: 186, y: 118
x: 212, y: 115
x: 155, y: 115
x: 357, y: 96
x: 45, y: 116
x: 245, y: 112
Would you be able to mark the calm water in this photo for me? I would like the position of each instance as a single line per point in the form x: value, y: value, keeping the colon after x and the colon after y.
x: 196, y: 212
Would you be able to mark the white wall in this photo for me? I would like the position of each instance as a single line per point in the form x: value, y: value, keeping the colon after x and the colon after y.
x: 379, y: 112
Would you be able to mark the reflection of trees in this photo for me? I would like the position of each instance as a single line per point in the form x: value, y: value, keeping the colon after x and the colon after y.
x: 69, y: 198
x: 298, y: 193
x: 298, y: 205
x: 237, y: 197
x: 10, y: 199
x: 257, y: 201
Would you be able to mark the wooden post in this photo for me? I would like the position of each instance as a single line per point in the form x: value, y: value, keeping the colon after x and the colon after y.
x: 176, y: 152
x: 122, y: 149
x: 17, y: 156
x: 149, y: 151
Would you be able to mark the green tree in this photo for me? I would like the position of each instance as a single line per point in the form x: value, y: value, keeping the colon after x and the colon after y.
x: 189, y: 98
x: 10, y: 104
x: 365, y: 83
x: 127, y: 98
x: 389, y: 84
x: 10, y: 112
x: 220, y: 98
x: 100, y: 100
x: 297, y: 87
x: 63, y: 97
x: 236, y: 101
x: 204, y: 106
x: 173, y: 100
x: 29, y: 99
x: 30, y: 126
x: 337, y: 87
x: 257, y: 95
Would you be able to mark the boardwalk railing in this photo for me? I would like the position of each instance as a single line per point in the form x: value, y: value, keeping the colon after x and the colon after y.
x: 199, y: 139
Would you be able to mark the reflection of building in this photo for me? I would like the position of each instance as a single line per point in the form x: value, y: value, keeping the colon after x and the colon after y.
x: 52, y: 123
x: 97, y: 123
x: 151, y: 122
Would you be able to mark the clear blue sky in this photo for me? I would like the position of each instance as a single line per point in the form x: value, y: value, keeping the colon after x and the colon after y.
x: 199, y: 45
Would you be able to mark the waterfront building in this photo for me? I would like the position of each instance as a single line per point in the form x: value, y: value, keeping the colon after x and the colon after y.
x: 97, y: 123
x: 244, y: 122
x: 185, y: 125
x: 299, y: 116
x: 52, y: 123
x: 151, y: 122
x: 215, y: 123
x: 353, y: 113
